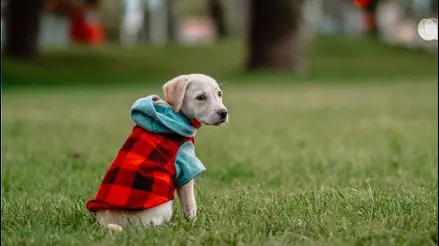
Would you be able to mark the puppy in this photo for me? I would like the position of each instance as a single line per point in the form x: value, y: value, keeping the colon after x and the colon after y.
x: 158, y: 158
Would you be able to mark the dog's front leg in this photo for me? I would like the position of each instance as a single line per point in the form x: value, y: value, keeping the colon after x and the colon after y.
x: 187, y: 200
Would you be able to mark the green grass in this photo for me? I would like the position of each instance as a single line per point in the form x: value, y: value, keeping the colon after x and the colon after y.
x: 330, y: 58
x: 345, y: 156
x: 299, y: 164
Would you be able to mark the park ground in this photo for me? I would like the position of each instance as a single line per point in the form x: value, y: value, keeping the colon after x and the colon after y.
x: 347, y: 156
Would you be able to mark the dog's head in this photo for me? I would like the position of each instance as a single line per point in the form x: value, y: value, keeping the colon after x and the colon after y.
x: 197, y: 96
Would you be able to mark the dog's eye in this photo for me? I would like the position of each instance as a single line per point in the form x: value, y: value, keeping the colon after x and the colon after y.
x: 201, y: 97
x: 220, y: 93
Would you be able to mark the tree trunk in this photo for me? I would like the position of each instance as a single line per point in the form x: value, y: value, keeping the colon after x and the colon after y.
x: 371, y: 18
x: 275, y: 41
x: 216, y: 12
x: 172, y: 20
x: 23, y: 28
x: 434, y: 6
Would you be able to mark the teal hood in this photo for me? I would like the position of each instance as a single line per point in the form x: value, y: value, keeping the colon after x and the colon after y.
x: 155, y: 115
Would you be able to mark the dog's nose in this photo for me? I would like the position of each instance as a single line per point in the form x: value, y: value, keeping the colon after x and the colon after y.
x: 222, y: 113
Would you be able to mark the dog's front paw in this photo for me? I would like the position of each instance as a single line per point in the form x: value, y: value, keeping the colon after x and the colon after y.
x: 190, y: 214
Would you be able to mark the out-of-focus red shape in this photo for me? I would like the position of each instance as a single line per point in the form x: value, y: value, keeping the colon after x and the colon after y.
x: 369, y: 20
x: 362, y: 3
x: 85, y: 30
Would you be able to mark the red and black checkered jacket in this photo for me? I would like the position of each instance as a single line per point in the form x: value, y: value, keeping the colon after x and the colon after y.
x: 142, y: 174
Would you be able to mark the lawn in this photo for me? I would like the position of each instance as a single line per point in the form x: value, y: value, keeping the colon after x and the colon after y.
x: 298, y: 164
x: 346, y: 156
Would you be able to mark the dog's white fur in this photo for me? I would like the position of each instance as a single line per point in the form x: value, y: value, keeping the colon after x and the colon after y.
x: 197, y: 96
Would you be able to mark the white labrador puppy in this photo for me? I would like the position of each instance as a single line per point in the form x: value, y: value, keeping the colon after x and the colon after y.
x: 197, y: 96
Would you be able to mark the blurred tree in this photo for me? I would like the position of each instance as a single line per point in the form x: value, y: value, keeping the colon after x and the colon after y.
x: 22, y: 29
x: 370, y: 8
x: 172, y: 15
x: 275, y: 41
x: 434, y: 6
x: 371, y: 15
x: 216, y: 12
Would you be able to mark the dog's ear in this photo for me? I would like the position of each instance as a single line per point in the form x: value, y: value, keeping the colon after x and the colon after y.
x: 174, y: 91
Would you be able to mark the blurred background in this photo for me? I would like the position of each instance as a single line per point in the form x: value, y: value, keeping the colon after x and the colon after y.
x: 130, y: 41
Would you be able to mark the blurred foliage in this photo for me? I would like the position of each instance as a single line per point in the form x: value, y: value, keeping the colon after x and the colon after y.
x: 331, y: 59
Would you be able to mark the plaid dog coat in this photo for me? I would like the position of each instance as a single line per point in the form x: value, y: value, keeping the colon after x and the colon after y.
x: 152, y: 162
